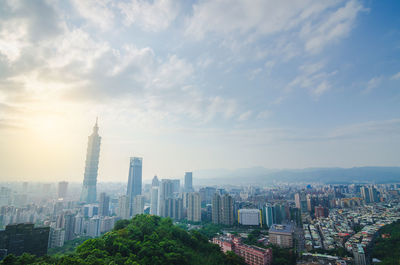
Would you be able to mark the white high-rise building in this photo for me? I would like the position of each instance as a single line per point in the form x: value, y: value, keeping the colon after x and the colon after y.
x: 165, y: 192
x: 194, y: 207
x: 94, y: 227
x: 124, y: 207
x: 154, y: 200
x: 79, y: 224
x: 56, y: 238
x: 138, y: 205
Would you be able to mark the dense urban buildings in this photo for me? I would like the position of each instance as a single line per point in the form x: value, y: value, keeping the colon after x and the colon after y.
x: 89, y: 191
x: 300, y: 218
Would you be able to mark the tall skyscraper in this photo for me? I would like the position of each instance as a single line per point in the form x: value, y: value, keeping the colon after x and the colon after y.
x: 135, y: 179
x: 104, y: 204
x: 89, y: 193
x: 188, y: 182
x: 194, y: 207
x: 62, y: 189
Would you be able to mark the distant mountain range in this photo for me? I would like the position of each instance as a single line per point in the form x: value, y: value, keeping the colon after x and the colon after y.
x: 261, y: 175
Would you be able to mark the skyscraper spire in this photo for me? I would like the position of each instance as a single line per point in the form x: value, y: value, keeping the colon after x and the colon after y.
x: 96, y: 127
x: 89, y: 192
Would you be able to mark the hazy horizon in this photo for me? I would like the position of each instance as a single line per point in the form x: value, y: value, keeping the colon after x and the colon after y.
x: 194, y: 85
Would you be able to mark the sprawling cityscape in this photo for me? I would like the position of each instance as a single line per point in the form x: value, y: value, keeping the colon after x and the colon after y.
x: 322, y: 223
x: 200, y: 132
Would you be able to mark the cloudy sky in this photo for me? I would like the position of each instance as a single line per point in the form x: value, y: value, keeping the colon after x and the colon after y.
x: 197, y: 85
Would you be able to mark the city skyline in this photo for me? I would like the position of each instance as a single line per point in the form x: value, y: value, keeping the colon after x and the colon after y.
x: 316, y: 85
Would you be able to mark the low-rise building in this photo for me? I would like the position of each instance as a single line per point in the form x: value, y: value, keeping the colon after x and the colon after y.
x: 252, y: 255
x: 281, y: 235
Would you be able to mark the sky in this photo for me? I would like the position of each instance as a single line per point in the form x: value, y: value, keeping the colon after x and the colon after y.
x: 191, y: 85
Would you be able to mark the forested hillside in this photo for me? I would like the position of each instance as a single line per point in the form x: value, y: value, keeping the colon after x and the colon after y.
x: 144, y: 239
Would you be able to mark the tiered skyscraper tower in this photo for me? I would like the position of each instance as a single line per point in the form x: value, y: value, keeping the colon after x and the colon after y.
x: 89, y: 193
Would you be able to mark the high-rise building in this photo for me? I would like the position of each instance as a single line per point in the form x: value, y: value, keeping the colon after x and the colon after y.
x: 56, y: 237
x: 188, y: 182
x: 20, y: 238
x: 360, y: 257
x: 79, y: 224
x: 301, y: 201
x: 155, y: 182
x: 227, y: 209
x: 165, y: 192
x: 154, y: 200
x: 62, y: 189
x: 138, y: 205
x: 216, y: 214
x: 94, y: 227
x: 365, y: 194
x: 176, y: 184
x: 124, y: 207
x: 104, y: 205
x: 90, y: 210
x: 69, y: 226
x: 206, y: 194
x: 135, y: 179
x: 249, y: 217
x: 174, y: 208
x: 373, y: 194
x: 270, y: 215
x: 89, y: 192
x: 194, y: 207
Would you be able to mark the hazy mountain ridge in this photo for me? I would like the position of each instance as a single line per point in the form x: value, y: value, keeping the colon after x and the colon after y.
x: 261, y: 175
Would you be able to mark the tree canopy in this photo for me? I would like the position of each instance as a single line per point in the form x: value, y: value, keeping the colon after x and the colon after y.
x: 145, y: 239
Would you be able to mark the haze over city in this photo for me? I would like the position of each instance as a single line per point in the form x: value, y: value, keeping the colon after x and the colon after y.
x: 193, y: 85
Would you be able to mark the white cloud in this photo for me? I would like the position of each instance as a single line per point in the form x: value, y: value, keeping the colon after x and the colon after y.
x: 245, y: 115
x: 264, y: 115
x: 321, y: 88
x: 396, y: 76
x: 98, y: 12
x: 312, y: 78
x: 314, y: 23
x: 13, y: 38
x: 373, y: 83
x: 172, y: 73
x: 150, y: 16
x: 330, y: 29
